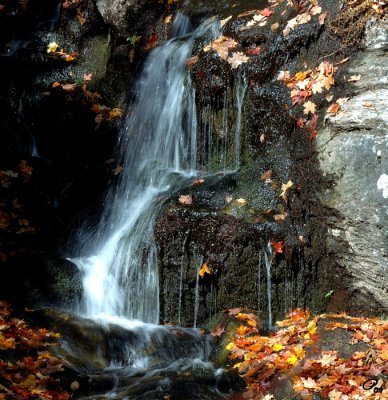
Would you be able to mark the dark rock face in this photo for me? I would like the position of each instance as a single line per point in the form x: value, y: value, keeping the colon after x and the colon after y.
x: 352, y: 151
x: 234, y: 227
x: 37, y: 281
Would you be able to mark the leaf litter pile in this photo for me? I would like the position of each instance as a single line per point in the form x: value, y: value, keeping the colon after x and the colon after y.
x: 292, y: 353
x: 27, y: 369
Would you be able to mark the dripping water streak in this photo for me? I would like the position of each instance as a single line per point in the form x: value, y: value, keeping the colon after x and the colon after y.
x: 196, y: 298
x: 259, y: 284
x: 181, y: 279
x: 240, y: 94
x: 267, y: 258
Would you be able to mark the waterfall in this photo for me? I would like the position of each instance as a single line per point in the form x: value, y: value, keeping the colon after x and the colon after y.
x: 157, y: 151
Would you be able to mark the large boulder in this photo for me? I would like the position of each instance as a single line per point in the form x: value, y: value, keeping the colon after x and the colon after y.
x: 353, y: 157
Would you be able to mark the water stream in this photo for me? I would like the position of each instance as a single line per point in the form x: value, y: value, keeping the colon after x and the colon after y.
x: 157, y: 151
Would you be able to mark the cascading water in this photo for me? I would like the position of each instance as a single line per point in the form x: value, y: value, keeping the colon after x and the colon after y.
x: 157, y: 151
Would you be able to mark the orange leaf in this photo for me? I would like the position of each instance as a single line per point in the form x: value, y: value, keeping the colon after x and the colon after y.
x: 277, y: 246
x: 204, y: 270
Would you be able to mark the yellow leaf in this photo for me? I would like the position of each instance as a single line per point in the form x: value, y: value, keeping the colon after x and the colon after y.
x: 231, y: 346
x: 55, y: 84
x: 242, y: 202
x: 52, y: 47
x: 204, y: 270
x: 285, y: 188
x: 278, y: 347
x: 292, y: 359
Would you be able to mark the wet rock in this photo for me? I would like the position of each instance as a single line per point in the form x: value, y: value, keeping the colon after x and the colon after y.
x: 35, y: 281
x: 353, y: 156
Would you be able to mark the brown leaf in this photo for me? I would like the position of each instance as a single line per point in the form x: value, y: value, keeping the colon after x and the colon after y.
x: 266, y: 175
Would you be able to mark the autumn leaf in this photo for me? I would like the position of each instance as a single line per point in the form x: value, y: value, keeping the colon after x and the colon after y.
x: 333, y: 108
x: 266, y: 12
x: 88, y: 77
x: 186, y: 199
x: 368, y: 105
x: 115, y: 113
x: 237, y: 59
x: 285, y: 188
x: 218, y: 331
x: 309, y: 108
x: 152, y: 40
x: 354, y: 78
x: 221, y: 45
x: 234, y: 311
x: 242, y: 202
x: 52, y: 47
x: 204, y: 270
x: 197, y: 182
x: 277, y: 246
x: 266, y: 176
x: 117, y: 170
x: 191, y: 61
x: 131, y: 55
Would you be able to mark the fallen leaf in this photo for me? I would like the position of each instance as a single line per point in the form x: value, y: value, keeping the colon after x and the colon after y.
x: 186, y: 199
x: 266, y: 175
x: 191, y: 61
x: 368, y: 105
x: 322, y: 18
x: 204, y: 270
x: 131, y: 55
x: 88, y: 77
x: 266, y: 12
x: 277, y: 246
x: 168, y: 19
x: 117, y: 170
x: 309, y: 107
x: 354, y: 78
x: 275, y: 27
x: 262, y: 138
x: 197, y: 182
x: 52, y: 47
x: 56, y: 84
x: 333, y: 108
x: 228, y: 198
x: 242, y: 202
x: 237, y: 59
x: 234, y: 311
x: 285, y: 188
x: 152, y: 40
x: 280, y: 217
x: 218, y: 331
x: 115, y: 113
x: 69, y: 87
x: 221, y: 45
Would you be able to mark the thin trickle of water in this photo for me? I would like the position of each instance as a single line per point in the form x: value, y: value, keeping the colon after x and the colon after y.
x: 241, y: 88
x: 181, y: 279
x: 259, y: 284
x: 220, y: 130
x: 196, y: 298
x: 267, y: 259
x: 118, y: 260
